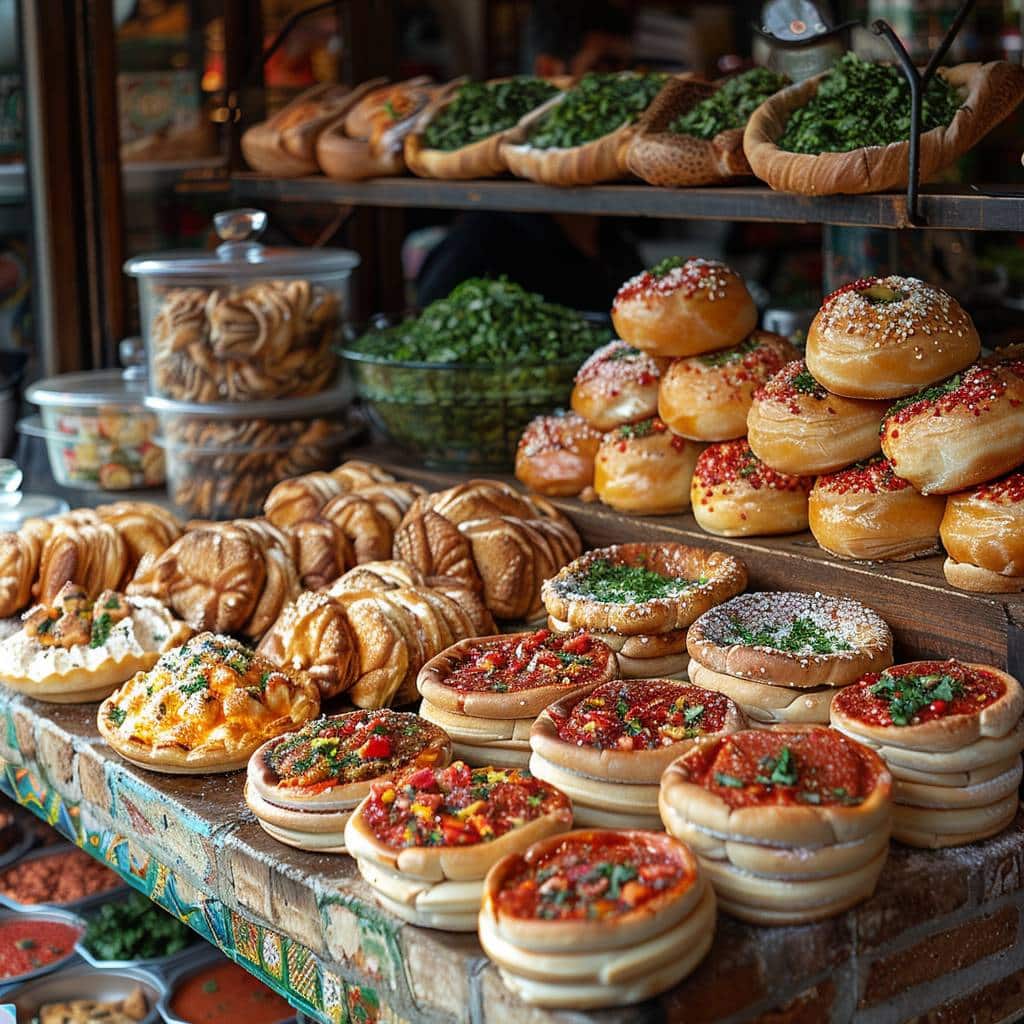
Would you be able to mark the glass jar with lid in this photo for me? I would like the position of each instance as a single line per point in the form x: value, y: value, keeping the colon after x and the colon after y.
x: 246, y: 322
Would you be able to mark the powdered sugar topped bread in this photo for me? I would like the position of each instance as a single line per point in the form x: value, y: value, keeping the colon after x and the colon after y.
x: 792, y: 639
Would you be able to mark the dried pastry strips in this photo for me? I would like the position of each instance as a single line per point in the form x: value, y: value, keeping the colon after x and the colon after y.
x: 951, y: 734
x: 597, y: 918
x: 425, y: 840
x: 303, y: 786
x: 607, y: 746
x: 791, y: 824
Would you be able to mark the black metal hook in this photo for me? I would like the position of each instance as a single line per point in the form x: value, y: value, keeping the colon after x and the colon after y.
x: 918, y: 82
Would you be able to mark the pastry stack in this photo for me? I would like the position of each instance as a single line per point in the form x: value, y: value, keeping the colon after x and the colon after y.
x: 951, y: 734
x: 784, y: 656
x: 426, y: 839
x: 304, y: 786
x: 486, y: 692
x: 607, y: 746
x: 640, y: 598
x: 595, y: 919
x: 790, y: 824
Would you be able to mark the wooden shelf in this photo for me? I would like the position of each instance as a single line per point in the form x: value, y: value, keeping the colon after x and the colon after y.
x: 990, y: 208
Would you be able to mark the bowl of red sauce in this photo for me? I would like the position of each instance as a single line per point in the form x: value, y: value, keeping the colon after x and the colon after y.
x: 36, y: 943
x: 60, y: 876
x: 217, y: 991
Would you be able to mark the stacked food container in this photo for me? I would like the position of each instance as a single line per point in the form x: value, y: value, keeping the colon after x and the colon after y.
x: 243, y: 371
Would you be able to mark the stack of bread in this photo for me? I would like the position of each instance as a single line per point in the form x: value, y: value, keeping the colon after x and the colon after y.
x: 425, y: 839
x: 783, y: 656
x: 640, y: 598
x: 486, y: 692
x: 494, y: 540
x: 595, y: 919
x: 790, y: 824
x: 607, y: 746
x: 951, y: 735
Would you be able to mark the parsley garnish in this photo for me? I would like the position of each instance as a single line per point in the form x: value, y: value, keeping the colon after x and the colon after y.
x: 801, y: 636
x: 199, y: 683
x: 45, y: 626
x: 907, y: 695
x: 112, y: 603
x: 627, y: 584
x: 666, y: 266
x: 693, y: 714
x: 807, y: 384
x: 116, y: 715
x: 924, y: 395
x: 724, y: 779
x: 100, y: 630
x: 778, y: 771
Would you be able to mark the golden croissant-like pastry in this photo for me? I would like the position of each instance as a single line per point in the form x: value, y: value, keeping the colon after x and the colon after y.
x: 322, y: 552
x: 91, y: 554
x: 436, y: 547
x: 368, y: 530
x: 20, y: 554
x: 301, y: 498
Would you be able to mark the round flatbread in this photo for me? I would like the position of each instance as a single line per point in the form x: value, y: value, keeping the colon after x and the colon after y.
x: 931, y: 827
x: 980, y: 794
x: 473, y: 730
x: 768, y: 704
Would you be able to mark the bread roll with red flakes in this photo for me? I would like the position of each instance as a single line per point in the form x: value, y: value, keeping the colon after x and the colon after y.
x: 556, y: 454
x: 960, y: 433
x: 795, y: 426
x: 645, y: 468
x: 706, y: 398
x: 618, y: 384
x: 734, y: 494
x: 983, y: 532
x: 867, y: 512
x: 886, y: 337
x: 683, y: 307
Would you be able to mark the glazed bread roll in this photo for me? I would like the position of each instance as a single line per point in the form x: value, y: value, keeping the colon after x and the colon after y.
x: 618, y: 384
x: 683, y: 307
x: 962, y: 432
x: 886, y: 337
x: 734, y: 494
x: 556, y: 454
x: 795, y: 426
x: 706, y: 398
x: 867, y: 512
x: 983, y: 533
x: 645, y: 468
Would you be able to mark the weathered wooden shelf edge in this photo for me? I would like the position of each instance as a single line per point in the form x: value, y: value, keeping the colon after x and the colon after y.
x: 964, y: 209
x: 929, y: 618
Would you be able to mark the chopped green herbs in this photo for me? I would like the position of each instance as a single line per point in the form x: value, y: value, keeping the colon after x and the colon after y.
x: 199, y: 683
x: 666, y: 266
x: 627, y: 584
x: 482, y: 109
x: 135, y: 928
x: 907, y: 695
x: 116, y: 715
x: 487, y: 323
x: 778, y: 771
x: 929, y: 394
x: 863, y: 104
x: 731, y: 781
x: 596, y: 106
x: 806, y: 384
x: 801, y: 636
x: 731, y: 105
x: 728, y: 356
x: 101, y: 630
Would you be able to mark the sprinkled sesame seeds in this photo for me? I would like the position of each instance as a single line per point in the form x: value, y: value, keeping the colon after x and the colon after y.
x: 562, y: 431
x: 617, y: 366
x: 709, y: 277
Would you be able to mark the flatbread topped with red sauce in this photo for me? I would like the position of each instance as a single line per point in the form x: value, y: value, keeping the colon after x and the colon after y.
x: 352, y: 748
x: 594, y: 876
x: 760, y: 767
x: 458, y: 806
x: 642, y: 715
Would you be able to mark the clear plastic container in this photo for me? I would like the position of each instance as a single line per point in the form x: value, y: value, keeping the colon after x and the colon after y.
x: 98, y: 433
x: 223, y: 458
x: 246, y: 322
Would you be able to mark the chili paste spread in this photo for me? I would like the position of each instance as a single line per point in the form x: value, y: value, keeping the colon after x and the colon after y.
x: 350, y: 748
x: 457, y: 805
x: 526, y: 662
x: 920, y: 692
x: 818, y: 767
x: 592, y: 877
x: 642, y: 715
x: 27, y: 945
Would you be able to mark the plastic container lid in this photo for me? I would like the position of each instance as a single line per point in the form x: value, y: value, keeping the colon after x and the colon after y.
x: 241, y: 255
x: 90, y: 389
x: 300, y: 407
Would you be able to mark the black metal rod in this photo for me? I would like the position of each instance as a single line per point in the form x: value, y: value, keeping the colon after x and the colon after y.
x: 947, y: 40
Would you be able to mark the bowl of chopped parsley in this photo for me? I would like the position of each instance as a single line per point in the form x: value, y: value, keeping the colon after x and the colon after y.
x: 456, y: 383
x: 847, y: 130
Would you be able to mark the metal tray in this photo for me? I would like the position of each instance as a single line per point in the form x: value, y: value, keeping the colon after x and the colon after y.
x: 84, y: 982
x: 8, y: 985
x: 75, y: 906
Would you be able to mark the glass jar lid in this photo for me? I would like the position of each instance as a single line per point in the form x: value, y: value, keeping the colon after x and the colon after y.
x: 92, y: 388
x: 240, y: 254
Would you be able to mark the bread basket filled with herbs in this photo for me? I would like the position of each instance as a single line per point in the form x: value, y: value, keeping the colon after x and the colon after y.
x: 459, y: 135
x: 692, y: 134
x: 847, y: 130
x: 456, y: 384
x: 581, y: 136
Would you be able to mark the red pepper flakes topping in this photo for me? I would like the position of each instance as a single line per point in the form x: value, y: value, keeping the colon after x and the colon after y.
x: 754, y: 360
x: 876, y: 476
x: 562, y: 431
x: 732, y: 462
x: 1007, y: 490
x: 893, y: 309
x: 973, y: 390
x: 711, y: 277
x: 617, y: 366
x: 790, y: 385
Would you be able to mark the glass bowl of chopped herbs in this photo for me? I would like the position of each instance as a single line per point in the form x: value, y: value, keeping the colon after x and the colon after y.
x: 133, y: 932
x: 456, y: 384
